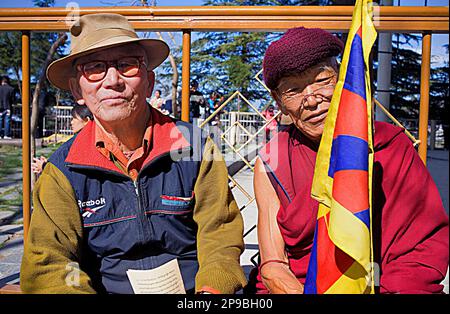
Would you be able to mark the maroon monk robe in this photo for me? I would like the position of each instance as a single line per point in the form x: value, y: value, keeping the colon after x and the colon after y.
x: 411, y: 228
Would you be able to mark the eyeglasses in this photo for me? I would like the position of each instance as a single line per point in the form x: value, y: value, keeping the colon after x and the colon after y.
x: 95, y: 71
x: 323, y: 92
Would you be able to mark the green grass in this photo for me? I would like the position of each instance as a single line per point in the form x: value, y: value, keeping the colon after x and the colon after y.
x: 10, y: 160
x: 11, y: 163
x: 7, y: 204
x: 47, y: 151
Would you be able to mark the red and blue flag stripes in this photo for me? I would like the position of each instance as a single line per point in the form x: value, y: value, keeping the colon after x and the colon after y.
x: 350, y: 148
x: 341, y: 255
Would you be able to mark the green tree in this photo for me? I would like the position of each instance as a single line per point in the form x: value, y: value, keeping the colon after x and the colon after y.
x: 11, y: 57
x: 48, y: 45
x: 228, y: 61
x: 11, y: 53
x: 439, y: 97
x: 405, y: 83
x: 439, y: 93
x: 44, y: 47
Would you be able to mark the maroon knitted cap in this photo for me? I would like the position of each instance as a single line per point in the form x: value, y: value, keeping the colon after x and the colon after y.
x: 297, y: 50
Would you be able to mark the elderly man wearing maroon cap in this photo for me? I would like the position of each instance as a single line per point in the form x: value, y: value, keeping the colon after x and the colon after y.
x: 410, y: 226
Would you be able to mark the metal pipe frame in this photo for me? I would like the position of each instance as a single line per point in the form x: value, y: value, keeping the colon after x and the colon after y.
x: 426, y: 20
x: 226, y: 18
x: 186, y: 76
x: 26, y: 139
x: 424, y: 95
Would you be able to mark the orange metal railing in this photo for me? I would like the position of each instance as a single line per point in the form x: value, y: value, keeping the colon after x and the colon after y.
x: 26, y: 145
x: 228, y: 18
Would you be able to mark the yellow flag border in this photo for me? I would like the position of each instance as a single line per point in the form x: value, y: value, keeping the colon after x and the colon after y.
x: 322, y: 184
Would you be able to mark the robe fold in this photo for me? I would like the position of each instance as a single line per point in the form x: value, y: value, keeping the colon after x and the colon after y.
x: 410, y: 225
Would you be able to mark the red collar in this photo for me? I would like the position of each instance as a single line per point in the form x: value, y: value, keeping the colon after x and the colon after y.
x: 166, y: 138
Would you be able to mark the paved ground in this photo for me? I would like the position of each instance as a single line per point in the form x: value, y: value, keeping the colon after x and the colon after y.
x: 11, y: 230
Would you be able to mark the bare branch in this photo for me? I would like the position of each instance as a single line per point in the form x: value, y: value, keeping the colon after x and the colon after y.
x: 35, y: 102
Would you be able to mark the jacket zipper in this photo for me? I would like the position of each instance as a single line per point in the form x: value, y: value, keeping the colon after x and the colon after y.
x: 136, y: 188
x: 138, y: 195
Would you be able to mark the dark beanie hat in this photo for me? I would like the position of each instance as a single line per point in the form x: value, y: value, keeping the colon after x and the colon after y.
x: 297, y: 50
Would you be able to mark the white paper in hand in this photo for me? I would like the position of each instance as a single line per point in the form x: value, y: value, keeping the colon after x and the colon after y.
x: 165, y: 279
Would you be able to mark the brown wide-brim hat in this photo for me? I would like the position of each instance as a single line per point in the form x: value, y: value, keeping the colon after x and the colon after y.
x: 94, y: 32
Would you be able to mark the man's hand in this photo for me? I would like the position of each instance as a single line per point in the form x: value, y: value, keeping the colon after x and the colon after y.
x: 38, y: 164
x: 279, y: 279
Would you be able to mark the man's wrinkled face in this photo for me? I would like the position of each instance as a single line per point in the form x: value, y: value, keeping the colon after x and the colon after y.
x: 118, y: 96
x: 306, y: 98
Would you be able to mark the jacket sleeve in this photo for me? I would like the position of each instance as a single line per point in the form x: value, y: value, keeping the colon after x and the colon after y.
x: 52, y: 253
x: 414, y: 225
x: 220, y: 227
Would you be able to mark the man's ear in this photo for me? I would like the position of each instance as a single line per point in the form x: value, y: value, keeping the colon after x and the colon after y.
x: 76, y: 91
x: 277, y: 99
x: 151, y: 83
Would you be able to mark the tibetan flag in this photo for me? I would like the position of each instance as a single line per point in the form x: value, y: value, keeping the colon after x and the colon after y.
x: 342, y: 255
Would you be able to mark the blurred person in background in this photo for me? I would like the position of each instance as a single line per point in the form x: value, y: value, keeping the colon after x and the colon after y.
x: 7, y: 99
x: 81, y: 115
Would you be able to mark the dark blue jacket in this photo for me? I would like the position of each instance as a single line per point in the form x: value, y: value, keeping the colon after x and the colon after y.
x: 138, y: 224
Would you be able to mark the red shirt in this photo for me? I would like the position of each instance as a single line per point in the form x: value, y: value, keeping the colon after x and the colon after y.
x: 129, y: 165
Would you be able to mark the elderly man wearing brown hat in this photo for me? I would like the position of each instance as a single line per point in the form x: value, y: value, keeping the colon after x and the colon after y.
x: 135, y: 189
x: 410, y: 226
